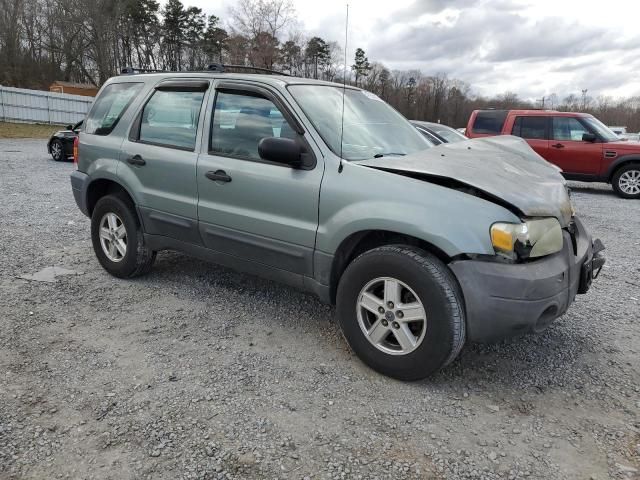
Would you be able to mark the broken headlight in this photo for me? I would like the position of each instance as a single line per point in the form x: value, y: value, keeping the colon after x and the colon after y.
x: 530, y: 239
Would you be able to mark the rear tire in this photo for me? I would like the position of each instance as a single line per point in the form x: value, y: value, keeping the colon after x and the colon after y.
x: 626, y: 181
x: 425, y: 281
x: 57, y: 150
x: 117, y: 238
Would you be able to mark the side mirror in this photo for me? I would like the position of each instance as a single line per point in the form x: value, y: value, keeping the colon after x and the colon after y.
x: 589, y: 137
x: 69, y: 127
x: 280, y: 150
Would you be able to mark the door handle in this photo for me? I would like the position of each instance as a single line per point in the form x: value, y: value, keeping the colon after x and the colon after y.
x: 136, y: 160
x: 218, y: 176
x: 557, y: 145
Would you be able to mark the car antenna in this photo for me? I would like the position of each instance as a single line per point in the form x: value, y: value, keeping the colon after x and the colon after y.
x: 344, y: 85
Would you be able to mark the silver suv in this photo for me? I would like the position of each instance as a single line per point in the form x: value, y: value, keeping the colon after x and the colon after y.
x: 421, y: 248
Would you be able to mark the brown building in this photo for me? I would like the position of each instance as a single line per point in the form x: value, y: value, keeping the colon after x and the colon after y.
x: 74, y: 88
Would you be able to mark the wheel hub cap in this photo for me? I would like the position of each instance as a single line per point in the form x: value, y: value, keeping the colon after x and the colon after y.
x: 391, y: 316
x: 629, y: 182
x: 113, y: 237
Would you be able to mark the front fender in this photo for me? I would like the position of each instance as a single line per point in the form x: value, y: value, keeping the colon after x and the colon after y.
x: 364, y: 199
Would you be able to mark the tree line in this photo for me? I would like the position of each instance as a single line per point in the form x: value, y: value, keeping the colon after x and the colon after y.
x: 88, y: 41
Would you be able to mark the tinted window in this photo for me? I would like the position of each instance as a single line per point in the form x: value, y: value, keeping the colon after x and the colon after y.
x: 241, y: 120
x: 170, y: 118
x: 490, y: 122
x: 568, y: 128
x: 110, y: 106
x: 533, y: 128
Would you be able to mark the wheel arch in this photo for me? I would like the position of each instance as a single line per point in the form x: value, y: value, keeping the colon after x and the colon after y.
x: 620, y: 163
x: 362, y: 241
x: 100, y: 187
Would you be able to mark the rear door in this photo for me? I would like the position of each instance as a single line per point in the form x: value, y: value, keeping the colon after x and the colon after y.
x: 535, y: 130
x: 252, y: 209
x: 159, y: 158
x: 569, y: 151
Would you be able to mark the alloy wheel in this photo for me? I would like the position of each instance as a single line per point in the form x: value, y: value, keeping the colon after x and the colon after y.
x: 113, y: 237
x: 629, y: 182
x: 56, y: 150
x: 391, y: 316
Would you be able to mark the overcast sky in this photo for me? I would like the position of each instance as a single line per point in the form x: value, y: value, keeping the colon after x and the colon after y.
x: 531, y: 47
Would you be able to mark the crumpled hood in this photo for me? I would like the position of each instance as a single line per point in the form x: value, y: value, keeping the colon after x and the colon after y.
x: 503, y: 167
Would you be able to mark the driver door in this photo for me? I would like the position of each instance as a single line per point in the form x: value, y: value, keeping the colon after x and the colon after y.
x: 569, y: 151
x: 250, y: 208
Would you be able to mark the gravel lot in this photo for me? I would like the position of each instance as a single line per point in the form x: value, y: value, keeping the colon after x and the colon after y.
x: 195, y: 371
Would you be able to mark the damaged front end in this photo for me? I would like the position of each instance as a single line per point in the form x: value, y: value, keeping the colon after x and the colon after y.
x: 540, y: 263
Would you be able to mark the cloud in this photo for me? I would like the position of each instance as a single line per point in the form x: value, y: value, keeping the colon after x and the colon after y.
x: 497, y: 45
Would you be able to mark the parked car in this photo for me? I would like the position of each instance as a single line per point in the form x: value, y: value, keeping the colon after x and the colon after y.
x: 620, y: 131
x: 631, y: 137
x: 582, y: 146
x: 60, y: 145
x: 421, y: 249
x: 437, y: 133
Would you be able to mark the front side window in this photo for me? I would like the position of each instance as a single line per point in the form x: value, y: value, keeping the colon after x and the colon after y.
x: 532, y: 128
x: 371, y: 127
x: 568, y: 129
x: 241, y: 120
x: 110, y: 106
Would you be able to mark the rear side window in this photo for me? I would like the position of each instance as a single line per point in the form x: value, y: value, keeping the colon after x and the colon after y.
x: 489, y: 122
x: 532, y: 128
x: 170, y: 118
x: 110, y: 106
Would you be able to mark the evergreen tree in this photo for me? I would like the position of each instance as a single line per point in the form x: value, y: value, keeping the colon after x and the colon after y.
x: 361, y: 66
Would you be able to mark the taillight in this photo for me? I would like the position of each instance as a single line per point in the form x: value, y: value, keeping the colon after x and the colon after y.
x: 75, y: 150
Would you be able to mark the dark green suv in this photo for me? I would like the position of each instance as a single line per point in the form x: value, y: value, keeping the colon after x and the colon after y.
x: 421, y: 248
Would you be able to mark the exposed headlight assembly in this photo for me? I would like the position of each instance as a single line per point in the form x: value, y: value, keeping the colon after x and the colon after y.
x: 530, y: 239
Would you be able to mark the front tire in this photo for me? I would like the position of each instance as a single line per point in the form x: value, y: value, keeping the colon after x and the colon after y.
x: 626, y: 181
x: 401, y: 311
x: 117, y: 238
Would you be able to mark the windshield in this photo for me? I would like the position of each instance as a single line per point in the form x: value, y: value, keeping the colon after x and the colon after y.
x: 371, y: 127
x: 601, y: 129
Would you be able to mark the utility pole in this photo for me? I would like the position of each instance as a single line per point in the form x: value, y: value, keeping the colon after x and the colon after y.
x: 541, y: 100
x: 584, y: 99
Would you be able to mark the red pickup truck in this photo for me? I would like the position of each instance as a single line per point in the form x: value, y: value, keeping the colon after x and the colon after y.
x: 582, y: 146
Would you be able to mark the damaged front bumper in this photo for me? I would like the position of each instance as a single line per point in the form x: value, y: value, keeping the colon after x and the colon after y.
x: 503, y: 300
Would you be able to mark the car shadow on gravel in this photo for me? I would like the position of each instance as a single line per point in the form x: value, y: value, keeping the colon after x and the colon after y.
x: 594, y: 190
x: 549, y: 361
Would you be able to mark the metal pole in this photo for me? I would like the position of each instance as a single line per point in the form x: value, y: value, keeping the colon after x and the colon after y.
x: 48, y: 110
x: 4, y: 116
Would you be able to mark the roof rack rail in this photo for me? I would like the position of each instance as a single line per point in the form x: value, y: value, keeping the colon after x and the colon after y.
x: 213, y: 67
x: 132, y: 71
x: 219, y: 67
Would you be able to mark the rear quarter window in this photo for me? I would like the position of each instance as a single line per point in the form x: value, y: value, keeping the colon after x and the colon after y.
x: 489, y: 122
x: 109, y: 107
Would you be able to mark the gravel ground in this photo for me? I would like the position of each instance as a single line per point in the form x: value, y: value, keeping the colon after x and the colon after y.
x: 195, y: 371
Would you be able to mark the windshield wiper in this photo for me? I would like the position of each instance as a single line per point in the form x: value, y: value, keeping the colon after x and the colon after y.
x: 387, y: 154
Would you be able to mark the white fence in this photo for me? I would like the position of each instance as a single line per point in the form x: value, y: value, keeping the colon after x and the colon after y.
x: 37, y: 106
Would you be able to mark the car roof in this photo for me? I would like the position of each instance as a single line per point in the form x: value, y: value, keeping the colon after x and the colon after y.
x: 535, y: 113
x: 274, y: 80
